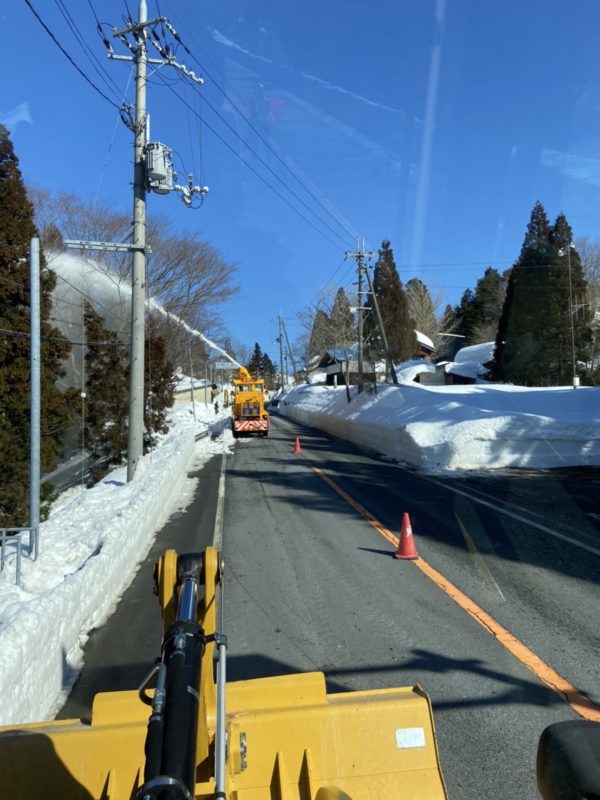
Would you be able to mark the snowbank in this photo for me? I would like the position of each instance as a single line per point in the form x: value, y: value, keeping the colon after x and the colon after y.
x: 460, y: 427
x: 90, y: 549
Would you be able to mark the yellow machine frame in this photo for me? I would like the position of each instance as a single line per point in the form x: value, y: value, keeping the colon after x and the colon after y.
x: 287, y: 739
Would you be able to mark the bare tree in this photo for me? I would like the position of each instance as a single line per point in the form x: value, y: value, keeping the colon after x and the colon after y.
x: 186, y: 276
x: 589, y: 255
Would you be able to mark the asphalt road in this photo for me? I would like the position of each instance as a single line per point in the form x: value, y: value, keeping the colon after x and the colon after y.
x: 311, y: 585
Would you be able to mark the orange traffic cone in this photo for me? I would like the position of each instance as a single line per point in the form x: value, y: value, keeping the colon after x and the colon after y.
x: 297, y: 448
x: 406, y: 543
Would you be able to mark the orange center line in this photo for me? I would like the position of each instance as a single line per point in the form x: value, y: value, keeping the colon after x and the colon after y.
x: 578, y: 701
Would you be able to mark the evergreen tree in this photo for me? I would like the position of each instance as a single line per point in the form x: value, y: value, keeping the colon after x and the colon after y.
x: 393, y: 305
x: 533, y: 345
x: 522, y: 326
x: 158, y: 387
x: 16, y: 231
x: 268, y: 371
x: 254, y: 366
x: 106, y: 388
x: 320, y: 335
x: 343, y: 330
x: 420, y: 307
x: 571, y: 337
x: 478, y: 313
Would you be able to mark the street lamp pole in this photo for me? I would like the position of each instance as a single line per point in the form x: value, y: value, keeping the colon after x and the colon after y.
x: 574, y: 359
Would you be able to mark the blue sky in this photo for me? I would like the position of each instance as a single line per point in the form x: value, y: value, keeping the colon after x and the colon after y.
x: 435, y: 124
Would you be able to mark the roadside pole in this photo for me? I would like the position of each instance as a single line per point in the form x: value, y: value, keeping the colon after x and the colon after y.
x: 35, y: 389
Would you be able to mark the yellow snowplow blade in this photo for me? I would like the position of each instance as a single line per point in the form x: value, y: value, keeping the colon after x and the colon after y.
x: 287, y: 739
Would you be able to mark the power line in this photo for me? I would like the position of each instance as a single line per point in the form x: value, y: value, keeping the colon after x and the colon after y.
x: 252, y: 169
x: 265, y: 141
x: 67, y: 56
x: 265, y: 164
x: 92, y: 57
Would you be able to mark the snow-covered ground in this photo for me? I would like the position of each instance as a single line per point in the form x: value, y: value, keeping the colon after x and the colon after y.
x: 480, y: 426
x: 95, y: 539
x: 90, y: 549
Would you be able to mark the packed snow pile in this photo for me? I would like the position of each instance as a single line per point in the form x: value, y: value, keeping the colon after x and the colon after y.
x: 89, y: 551
x: 470, y: 362
x: 482, y: 426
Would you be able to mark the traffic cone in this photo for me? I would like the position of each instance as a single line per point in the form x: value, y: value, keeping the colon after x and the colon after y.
x: 406, y: 543
x: 297, y: 448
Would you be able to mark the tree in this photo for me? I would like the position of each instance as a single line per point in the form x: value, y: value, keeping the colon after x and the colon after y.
x: 539, y: 327
x: 158, y: 386
x: 589, y: 254
x: 521, y: 329
x: 393, y: 305
x: 421, y: 307
x: 17, y: 228
x: 255, y: 363
x: 320, y: 335
x: 341, y: 319
x: 106, y: 388
x: 571, y: 339
x: 478, y: 313
x: 268, y: 371
x: 185, y: 274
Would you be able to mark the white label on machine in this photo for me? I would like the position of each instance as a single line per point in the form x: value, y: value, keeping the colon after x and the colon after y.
x: 410, y: 737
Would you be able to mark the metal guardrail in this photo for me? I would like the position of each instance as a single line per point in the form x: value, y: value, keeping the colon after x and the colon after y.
x: 12, y: 538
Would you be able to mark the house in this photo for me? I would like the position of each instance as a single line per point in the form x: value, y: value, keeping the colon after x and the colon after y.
x: 471, y: 364
x: 330, y: 368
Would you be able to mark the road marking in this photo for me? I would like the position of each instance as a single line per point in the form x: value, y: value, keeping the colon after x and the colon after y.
x: 578, y: 701
x: 512, y: 514
x: 218, y: 531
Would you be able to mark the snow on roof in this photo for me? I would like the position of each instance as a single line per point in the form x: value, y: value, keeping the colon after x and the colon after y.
x: 480, y: 353
x: 469, y: 361
x: 424, y: 340
x: 407, y: 371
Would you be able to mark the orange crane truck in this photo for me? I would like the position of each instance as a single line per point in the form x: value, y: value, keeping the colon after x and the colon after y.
x: 248, y: 414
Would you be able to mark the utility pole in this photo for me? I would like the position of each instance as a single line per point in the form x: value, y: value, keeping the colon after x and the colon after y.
x: 135, y: 442
x: 360, y: 256
x: 152, y: 170
x: 289, y: 350
x: 386, y: 347
x: 280, y: 340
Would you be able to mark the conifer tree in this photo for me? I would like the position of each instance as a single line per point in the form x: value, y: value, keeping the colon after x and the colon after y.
x: 158, y: 387
x: 420, y: 306
x: 478, y: 313
x: 267, y: 371
x: 534, y: 345
x: 518, y: 356
x: 320, y: 335
x: 343, y: 330
x: 16, y: 231
x: 393, y: 305
x: 106, y: 388
x: 571, y: 336
x: 254, y: 366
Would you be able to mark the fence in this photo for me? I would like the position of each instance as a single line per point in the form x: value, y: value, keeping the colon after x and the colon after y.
x: 11, y: 540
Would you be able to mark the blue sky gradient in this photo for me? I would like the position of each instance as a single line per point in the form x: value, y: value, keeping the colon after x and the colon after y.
x: 435, y: 124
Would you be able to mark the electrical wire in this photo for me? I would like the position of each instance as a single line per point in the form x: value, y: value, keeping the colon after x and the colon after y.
x: 67, y: 56
x: 252, y: 169
x: 92, y: 57
x: 264, y: 140
x: 267, y: 166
